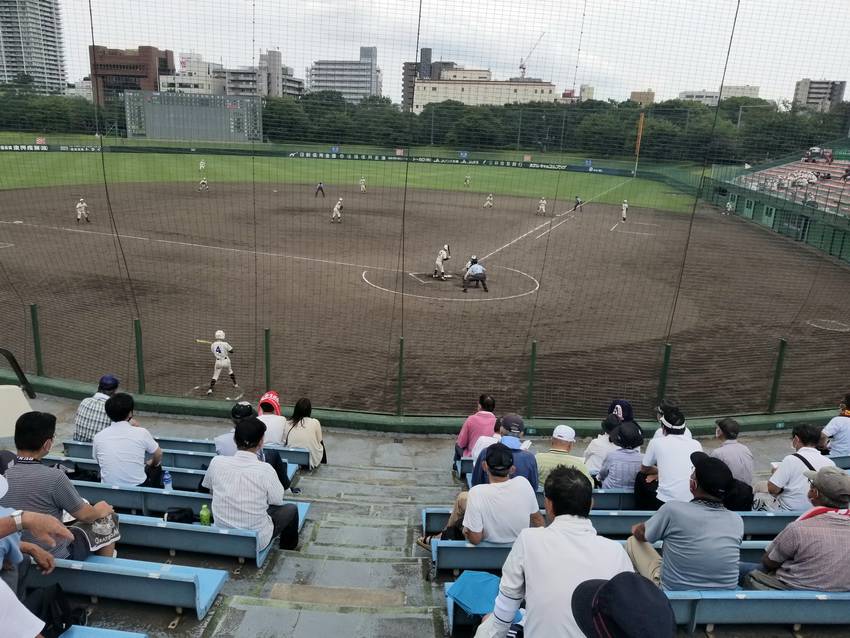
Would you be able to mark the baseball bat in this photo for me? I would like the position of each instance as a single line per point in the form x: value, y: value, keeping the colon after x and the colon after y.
x: 204, y: 341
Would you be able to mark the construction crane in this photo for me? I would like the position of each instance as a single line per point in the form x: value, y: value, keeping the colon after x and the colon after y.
x: 523, y: 62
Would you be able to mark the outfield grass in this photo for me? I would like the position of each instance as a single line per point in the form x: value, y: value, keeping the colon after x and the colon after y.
x: 27, y: 170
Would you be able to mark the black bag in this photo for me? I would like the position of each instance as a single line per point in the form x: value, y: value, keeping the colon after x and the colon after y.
x: 739, y: 498
x: 324, y: 453
x: 51, y: 605
x: 180, y: 515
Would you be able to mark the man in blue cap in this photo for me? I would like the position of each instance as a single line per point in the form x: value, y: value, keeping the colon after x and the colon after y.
x: 91, y: 416
x: 512, y: 428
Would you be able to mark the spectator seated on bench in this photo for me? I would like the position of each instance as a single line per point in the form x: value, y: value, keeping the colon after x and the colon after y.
x: 702, y: 539
x: 601, y: 446
x: 836, y: 433
x: 91, y: 416
x: 563, y: 439
x: 476, y: 426
x: 302, y: 430
x: 35, y: 487
x: 622, y: 464
x: 813, y: 552
x: 512, y: 428
x: 120, y: 449
x: 247, y: 494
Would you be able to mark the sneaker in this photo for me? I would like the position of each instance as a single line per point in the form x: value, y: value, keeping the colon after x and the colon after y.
x: 209, y: 392
x: 485, y: 289
x: 464, y: 289
x: 295, y: 490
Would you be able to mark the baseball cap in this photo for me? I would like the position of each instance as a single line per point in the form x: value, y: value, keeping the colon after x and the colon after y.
x: 627, y: 606
x: 627, y: 435
x: 242, y: 410
x: 712, y: 475
x: 564, y: 433
x: 499, y: 459
x: 272, y: 398
x: 513, y: 423
x: 832, y: 482
x: 108, y: 382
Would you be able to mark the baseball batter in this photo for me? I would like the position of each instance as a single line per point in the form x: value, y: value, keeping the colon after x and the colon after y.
x: 541, y: 206
x: 336, y: 215
x: 442, y: 255
x: 221, y: 351
x: 626, y: 209
x: 488, y: 203
x: 362, y: 184
x: 82, y: 210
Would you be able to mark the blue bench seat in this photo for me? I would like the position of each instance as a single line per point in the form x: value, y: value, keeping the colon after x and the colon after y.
x: 76, y: 631
x: 136, y: 581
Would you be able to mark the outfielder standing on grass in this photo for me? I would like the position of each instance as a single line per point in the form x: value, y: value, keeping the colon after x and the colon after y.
x: 336, y: 215
x: 626, y: 209
x: 488, y: 203
x: 320, y: 188
x: 202, y: 165
x: 221, y: 351
x: 82, y: 210
x: 541, y: 206
x: 466, y: 181
x: 476, y: 273
x: 444, y: 254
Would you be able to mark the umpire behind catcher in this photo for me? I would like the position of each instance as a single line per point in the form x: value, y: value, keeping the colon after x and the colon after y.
x: 476, y: 273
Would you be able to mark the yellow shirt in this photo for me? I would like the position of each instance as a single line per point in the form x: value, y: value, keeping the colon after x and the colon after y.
x: 548, y: 461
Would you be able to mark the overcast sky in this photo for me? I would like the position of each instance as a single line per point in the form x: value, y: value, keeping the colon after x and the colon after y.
x: 666, y: 45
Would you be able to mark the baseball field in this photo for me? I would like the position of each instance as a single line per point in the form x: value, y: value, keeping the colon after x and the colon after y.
x: 599, y: 296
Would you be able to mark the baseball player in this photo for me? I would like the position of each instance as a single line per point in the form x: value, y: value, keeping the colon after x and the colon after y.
x: 476, y: 273
x: 320, y: 188
x: 579, y: 202
x: 202, y: 165
x: 466, y: 181
x: 221, y: 351
x: 336, y: 215
x: 362, y: 184
x: 444, y: 254
x: 729, y: 207
x: 488, y: 203
x: 202, y: 185
x: 541, y: 206
x: 82, y: 210
x: 625, y: 209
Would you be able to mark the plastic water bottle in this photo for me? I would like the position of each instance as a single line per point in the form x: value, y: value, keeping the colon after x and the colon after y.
x: 166, y: 480
x: 206, y: 515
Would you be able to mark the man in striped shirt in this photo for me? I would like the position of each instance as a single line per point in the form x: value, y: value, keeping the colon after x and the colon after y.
x: 91, y: 416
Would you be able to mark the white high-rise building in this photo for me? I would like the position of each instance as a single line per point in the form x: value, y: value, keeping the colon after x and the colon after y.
x: 31, y: 43
x: 355, y: 79
x: 194, y: 75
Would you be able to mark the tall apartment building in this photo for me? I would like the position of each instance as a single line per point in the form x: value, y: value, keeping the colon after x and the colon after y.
x: 355, y: 79
x: 194, y: 75
x: 482, y: 91
x: 114, y: 71
x: 644, y: 98
x: 31, y: 43
x: 820, y: 95
x: 425, y: 69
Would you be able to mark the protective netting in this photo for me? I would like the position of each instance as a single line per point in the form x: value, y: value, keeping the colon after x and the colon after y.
x: 710, y: 219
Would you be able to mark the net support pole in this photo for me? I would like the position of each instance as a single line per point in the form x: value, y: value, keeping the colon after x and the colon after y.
x: 777, y: 376
x: 532, y: 368
x: 665, y: 370
x: 267, y: 357
x: 637, y: 142
x: 399, y: 385
x: 140, y: 357
x: 36, y: 340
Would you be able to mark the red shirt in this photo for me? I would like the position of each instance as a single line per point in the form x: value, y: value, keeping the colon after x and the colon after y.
x: 476, y: 425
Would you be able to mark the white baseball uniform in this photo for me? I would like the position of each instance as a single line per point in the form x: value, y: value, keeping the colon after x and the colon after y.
x: 337, y: 212
x: 221, y: 351
x: 488, y: 203
x: 438, y: 264
x: 202, y: 165
x: 625, y: 210
x: 541, y: 206
x: 729, y: 208
x: 362, y: 184
x: 202, y: 185
x: 82, y: 210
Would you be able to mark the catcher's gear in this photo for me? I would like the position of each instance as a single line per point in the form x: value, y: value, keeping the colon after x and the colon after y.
x: 219, y: 335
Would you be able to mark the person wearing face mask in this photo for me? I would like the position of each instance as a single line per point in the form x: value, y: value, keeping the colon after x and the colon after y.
x: 734, y: 454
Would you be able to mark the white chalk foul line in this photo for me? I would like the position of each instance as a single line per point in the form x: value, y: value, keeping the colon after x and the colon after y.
x: 186, y: 244
x: 634, y: 232
x: 549, y: 230
x: 5, y: 245
x: 464, y: 299
x: 613, y: 227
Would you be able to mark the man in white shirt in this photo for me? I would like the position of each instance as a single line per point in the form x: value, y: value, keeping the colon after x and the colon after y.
x: 601, y: 446
x: 546, y: 564
x: 788, y: 488
x: 660, y: 409
x: 837, y: 431
x: 270, y: 415
x: 120, y: 449
x: 667, y: 462
x: 246, y: 493
x: 497, y: 511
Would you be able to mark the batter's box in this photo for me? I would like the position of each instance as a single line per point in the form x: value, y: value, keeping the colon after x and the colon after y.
x: 426, y: 278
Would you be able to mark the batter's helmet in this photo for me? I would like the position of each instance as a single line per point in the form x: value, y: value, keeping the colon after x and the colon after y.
x: 473, y: 260
x: 219, y: 334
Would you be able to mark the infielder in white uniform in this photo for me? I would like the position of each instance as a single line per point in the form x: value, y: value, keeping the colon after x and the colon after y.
x: 443, y: 255
x: 336, y: 215
x: 202, y: 165
x: 82, y: 210
x: 488, y: 203
x: 202, y: 185
x: 541, y: 206
x: 362, y: 184
x: 221, y: 351
x: 626, y: 209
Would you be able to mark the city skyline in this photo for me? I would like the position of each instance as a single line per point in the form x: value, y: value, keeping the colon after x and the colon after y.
x: 620, y: 50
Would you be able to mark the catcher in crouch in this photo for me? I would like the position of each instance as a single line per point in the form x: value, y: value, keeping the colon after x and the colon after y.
x: 476, y: 272
x: 443, y: 255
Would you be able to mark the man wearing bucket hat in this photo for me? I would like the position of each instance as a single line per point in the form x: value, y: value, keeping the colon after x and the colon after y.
x: 811, y: 553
